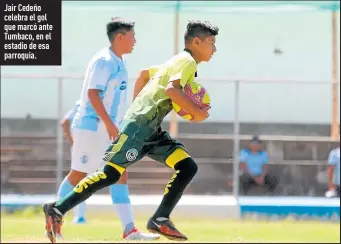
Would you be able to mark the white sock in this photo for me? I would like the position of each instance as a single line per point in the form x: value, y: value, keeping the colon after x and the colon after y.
x: 126, y: 215
x: 120, y: 197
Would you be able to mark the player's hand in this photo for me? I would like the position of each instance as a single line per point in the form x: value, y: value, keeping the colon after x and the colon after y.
x: 259, y: 180
x: 69, y: 139
x: 112, y: 130
x: 202, y: 115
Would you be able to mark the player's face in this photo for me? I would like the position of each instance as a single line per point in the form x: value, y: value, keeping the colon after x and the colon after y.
x: 128, y: 41
x: 255, y: 147
x: 207, y: 48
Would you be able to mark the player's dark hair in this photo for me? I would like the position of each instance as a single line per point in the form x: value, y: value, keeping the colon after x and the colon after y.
x: 118, y: 25
x: 255, y: 139
x: 200, y: 29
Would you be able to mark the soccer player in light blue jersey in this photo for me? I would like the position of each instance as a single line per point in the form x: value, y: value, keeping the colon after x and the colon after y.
x: 65, y: 187
x: 97, y: 119
x: 333, y: 173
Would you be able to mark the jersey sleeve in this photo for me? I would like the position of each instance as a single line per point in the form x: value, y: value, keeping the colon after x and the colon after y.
x: 71, y: 113
x: 242, y: 156
x: 185, y: 73
x: 332, y: 158
x: 99, y: 75
x: 265, y: 158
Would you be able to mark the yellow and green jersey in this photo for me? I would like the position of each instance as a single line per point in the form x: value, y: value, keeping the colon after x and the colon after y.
x: 152, y: 105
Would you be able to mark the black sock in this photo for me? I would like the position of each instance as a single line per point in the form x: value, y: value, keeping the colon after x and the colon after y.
x: 88, y: 186
x: 184, y: 173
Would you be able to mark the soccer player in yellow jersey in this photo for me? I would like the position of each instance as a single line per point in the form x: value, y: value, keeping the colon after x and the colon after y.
x: 141, y: 134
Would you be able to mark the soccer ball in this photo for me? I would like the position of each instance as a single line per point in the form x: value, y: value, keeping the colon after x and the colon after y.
x: 198, y: 95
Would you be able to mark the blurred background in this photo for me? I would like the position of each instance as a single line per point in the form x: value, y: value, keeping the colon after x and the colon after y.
x: 275, y: 75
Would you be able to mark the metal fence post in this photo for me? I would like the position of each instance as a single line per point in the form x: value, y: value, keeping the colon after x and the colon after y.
x: 236, y: 147
x: 60, y: 148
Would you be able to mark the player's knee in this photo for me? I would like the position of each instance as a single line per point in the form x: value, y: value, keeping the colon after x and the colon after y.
x: 124, y: 178
x: 176, y: 157
x: 273, y: 181
x: 244, y: 178
x: 112, y: 173
x: 187, y: 167
x: 74, y: 177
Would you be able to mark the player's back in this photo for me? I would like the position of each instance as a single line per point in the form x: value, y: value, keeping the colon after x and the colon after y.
x: 107, y: 73
x: 152, y: 104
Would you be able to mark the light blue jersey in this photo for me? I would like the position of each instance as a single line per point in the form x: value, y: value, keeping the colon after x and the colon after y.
x: 334, y: 159
x: 107, y: 73
x: 254, y: 161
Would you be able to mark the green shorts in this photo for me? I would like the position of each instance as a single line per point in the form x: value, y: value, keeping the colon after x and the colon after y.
x: 129, y: 148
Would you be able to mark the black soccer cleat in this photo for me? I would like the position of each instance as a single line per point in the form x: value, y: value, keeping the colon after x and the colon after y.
x: 165, y: 227
x: 53, y: 219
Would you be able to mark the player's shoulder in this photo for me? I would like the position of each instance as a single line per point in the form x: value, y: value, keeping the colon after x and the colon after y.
x: 244, y: 151
x: 335, y: 152
x: 104, y: 57
x: 184, y: 57
x: 264, y: 153
x: 187, y: 56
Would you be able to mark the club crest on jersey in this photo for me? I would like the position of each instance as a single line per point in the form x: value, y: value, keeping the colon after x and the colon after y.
x: 123, y: 85
x: 131, y: 154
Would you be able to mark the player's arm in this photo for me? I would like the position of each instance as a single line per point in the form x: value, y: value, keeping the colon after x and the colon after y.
x: 243, y: 167
x: 98, y: 106
x: 242, y: 162
x: 66, y: 129
x: 174, y: 91
x: 265, y: 166
x: 99, y: 77
x: 330, y: 169
x: 142, y: 79
x: 66, y: 124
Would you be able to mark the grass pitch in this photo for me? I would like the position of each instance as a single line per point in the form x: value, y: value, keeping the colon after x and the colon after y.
x: 28, y: 227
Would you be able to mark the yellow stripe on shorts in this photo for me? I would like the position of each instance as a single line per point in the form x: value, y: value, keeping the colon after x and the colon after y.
x: 119, y: 144
x: 176, y: 156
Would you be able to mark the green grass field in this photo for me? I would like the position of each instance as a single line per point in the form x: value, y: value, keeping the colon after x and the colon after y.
x: 28, y: 227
